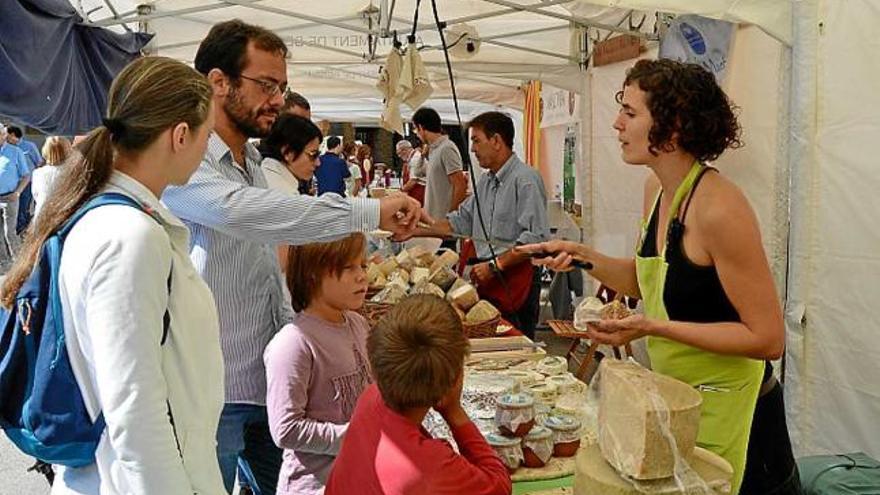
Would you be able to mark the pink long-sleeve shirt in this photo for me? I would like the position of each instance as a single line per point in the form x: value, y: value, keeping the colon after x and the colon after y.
x: 385, y: 453
x: 315, y: 371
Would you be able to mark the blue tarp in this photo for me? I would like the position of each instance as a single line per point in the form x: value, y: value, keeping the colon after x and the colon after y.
x: 55, y: 71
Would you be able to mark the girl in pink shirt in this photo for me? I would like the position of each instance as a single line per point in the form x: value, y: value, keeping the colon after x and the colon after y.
x: 316, y: 366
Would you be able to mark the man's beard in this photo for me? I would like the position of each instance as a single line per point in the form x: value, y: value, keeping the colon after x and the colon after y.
x: 241, y: 118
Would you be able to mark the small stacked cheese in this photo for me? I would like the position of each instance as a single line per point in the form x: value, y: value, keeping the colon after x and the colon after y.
x: 417, y: 271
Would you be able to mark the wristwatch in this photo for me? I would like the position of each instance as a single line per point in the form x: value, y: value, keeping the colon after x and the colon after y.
x: 495, y: 266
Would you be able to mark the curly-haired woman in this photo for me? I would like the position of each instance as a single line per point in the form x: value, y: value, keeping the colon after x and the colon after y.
x: 712, y: 316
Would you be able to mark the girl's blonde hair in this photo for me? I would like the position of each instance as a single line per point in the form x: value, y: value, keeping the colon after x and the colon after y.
x: 56, y: 150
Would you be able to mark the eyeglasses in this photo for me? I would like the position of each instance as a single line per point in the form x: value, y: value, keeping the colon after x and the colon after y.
x: 270, y: 88
x: 313, y: 154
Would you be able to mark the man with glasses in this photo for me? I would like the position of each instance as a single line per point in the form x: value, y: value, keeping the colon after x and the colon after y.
x: 235, y: 224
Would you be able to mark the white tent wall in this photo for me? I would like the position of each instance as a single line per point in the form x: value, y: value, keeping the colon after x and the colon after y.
x: 833, y: 350
x: 757, y: 84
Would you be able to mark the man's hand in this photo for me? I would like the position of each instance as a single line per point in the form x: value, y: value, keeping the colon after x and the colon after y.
x: 482, y: 273
x: 401, y: 214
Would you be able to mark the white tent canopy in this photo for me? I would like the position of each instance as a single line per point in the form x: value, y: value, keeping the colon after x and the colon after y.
x: 337, y: 48
x: 801, y: 70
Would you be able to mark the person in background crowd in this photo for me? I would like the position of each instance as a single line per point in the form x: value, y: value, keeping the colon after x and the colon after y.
x: 297, y: 104
x: 355, y: 183
x: 56, y: 151
x: 316, y: 366
x: 124, y: 272
x: 446, y: 184
x: 290, y: 153
x: 333, y: 170
x: 413, y: 171
x: 712, y: 315
x: 514, y: 209
x: 417, y: 355
x: 35, y: 159
x: 290, y: 157
x: 365, y: 160
x: 15, y: 176
x: 236, y: 222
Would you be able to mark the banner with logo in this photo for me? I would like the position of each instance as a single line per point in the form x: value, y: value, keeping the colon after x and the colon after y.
x: 699, y: 40
x: 559, y: 107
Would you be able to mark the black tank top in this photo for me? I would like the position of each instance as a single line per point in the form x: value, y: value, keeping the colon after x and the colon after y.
x: 692, y: 292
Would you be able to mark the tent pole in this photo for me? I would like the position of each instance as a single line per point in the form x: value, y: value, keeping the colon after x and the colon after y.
x: 169, y: 13
x: 576, y: 19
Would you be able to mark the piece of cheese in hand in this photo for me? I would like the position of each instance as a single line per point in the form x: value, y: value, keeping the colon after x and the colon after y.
x: 465, y: 297
x: 615, y: 310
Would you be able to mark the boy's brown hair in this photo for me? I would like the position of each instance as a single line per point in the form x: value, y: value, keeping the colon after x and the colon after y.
x: 417, y: 352
x: 308, y: 264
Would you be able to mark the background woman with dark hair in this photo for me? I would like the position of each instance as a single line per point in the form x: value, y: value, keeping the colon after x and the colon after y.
x: 712, y: 315
x: 290, y: 154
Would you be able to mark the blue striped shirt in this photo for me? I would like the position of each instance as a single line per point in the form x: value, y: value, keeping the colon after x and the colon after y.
x: 236, y: 222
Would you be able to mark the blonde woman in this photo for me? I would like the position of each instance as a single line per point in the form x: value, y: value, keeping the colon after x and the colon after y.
x: 122, y: 270
x: 56, y: 151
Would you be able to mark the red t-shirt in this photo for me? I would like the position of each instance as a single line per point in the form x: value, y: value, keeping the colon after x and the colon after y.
x: 385, y: 453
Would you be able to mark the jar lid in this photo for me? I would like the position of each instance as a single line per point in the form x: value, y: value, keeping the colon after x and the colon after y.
x: 538, y: 433
x: 562, y: 422
x: 496, y: 440
x: 514, y: 400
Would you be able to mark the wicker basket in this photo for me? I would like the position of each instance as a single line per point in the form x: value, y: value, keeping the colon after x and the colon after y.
x: 374, y: 311
x: 481, y: 330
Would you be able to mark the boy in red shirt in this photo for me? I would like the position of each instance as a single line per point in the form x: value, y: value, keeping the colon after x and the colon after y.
x: 417, y: 355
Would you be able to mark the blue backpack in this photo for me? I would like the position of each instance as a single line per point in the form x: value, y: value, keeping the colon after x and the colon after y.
x: 41, y: 408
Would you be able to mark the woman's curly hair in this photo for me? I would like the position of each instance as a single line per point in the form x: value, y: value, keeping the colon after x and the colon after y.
x: 685, y: 99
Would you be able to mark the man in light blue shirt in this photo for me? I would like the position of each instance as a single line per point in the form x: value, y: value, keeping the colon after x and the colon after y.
x: 14, y: 177
x: 513, y: 204
x: 34, y: 160
x: 236, y: 223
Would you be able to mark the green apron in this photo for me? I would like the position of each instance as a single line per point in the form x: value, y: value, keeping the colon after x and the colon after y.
x: 728, y: 384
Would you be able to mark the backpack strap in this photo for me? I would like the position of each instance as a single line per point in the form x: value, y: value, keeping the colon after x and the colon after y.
x: 96, y: 201
x: 112, y: 198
